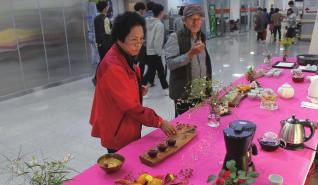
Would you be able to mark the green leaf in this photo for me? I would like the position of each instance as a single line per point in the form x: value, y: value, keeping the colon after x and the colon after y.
x: 211, y: 178
x: 233, y: 175
x: 249, y: 181
x: 253, y: 174
x: 241, y: 172
x: 242, y: 176
x: 230, y: 164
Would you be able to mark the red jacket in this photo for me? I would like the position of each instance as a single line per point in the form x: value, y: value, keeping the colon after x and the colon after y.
x: 117, y: 114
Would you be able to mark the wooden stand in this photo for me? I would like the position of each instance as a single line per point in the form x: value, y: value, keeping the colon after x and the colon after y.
x: 185, y: 133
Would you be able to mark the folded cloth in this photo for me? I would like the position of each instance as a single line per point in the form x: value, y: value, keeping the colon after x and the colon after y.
x: 309, y: 105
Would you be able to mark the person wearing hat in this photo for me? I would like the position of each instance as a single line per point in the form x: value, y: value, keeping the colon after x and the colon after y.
x: 187, y: 57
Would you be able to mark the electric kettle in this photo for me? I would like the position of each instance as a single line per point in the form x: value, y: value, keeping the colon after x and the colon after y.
x: 293, y: 132
x: 313, y: 89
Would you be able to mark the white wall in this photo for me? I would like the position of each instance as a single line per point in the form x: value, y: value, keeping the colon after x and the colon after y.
x: 118, y: 6
x: 174, y: 4
x: 313, y: 49
x: 235, y: 9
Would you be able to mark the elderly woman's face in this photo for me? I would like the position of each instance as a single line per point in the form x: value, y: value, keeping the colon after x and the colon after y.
x: 134, y: 41
x: 193, y: 23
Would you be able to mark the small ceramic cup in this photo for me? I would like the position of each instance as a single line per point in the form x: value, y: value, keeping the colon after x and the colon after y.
x: 275, y: 179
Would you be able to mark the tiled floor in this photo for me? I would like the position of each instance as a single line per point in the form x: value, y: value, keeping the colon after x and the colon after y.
x: 55, y: 121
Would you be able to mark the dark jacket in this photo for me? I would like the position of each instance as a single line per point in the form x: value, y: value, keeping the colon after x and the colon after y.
x: 102, y: 39
x: 181, y: 77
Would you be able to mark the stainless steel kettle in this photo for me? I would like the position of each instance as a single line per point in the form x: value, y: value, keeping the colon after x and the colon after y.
x: 293, y: 132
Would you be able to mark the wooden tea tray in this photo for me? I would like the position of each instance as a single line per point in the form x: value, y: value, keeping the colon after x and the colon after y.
x: 185, y: 133
x: 235, y: 98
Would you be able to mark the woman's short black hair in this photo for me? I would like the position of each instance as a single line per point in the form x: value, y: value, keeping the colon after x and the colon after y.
x: 123, y: 24
x: 139, y: 6
x: 157, y: 9
x: 101, y: 5
x: 276, y: 10
x: 291, y: 3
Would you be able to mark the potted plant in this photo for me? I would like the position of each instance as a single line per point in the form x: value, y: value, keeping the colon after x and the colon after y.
x: 232, y: 176
x: 40, y: 172
x: 286, y: 43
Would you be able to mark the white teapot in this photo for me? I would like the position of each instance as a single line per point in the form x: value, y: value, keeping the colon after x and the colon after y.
x: 286, y: 91
x: 313, y: 89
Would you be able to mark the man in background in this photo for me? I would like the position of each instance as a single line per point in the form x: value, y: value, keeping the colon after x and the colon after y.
x: 277, y: 19
x: 102, y: 28
x: 140, y: 8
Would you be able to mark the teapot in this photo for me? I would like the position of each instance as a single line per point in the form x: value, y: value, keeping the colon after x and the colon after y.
x: 293, y: 132
x: 313, y: 89
x: 286, y: 91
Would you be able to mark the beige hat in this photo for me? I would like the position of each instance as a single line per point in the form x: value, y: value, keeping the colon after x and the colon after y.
x: 193, y: 9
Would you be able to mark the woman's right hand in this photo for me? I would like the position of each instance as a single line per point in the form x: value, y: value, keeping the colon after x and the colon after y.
x: 168, y: 128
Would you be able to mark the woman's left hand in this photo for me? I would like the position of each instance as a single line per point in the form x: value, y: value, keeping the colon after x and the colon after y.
x: 145, y: 90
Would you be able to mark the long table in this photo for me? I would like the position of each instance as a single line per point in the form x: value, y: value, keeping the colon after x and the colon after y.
x: 205, y: 153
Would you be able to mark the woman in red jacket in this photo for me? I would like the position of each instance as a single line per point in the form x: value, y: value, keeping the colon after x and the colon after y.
x: 117, y: 113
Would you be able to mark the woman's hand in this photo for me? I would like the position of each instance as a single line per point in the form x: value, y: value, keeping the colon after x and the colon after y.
x: 145, y: 90
x: 168, y: 128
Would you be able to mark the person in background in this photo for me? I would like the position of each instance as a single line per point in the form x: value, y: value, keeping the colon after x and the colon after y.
x: 178, y: 22
x: 291, y: 23
x: 187, y: 57
x: 117, y: 112
x: 266, y: 22
x: 155, y: 40
x: 102, y: 28
x: 291, y: 5
x: 277, y: 19
x: 140, y: 8
x: 271, y: 25
x: 149, y: 6
x: 259, y: 24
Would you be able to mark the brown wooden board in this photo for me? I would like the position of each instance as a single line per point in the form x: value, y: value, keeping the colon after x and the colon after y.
x: 234, y: 97
x: 185, y: 133
x: 237, y: 100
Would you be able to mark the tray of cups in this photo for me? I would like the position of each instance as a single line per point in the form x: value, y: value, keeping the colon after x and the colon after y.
x: 169, y: 146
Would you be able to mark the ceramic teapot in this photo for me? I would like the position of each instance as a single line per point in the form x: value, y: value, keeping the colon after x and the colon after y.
x: 313, y: 88
x: 286, y: 91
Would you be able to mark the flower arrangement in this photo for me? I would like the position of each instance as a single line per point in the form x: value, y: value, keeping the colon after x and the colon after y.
x: 202, y: 89
x: 250, y: 74
x: 286, y: 42
x: 233, y: 176
x: 182, y: 178
x: 40, y: 172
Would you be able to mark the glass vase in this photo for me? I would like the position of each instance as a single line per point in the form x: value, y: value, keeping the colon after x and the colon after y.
x: 214, y: 116
x: 285, y: 54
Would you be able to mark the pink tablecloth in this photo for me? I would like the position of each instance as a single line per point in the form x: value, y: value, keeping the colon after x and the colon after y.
x: 205, y: 153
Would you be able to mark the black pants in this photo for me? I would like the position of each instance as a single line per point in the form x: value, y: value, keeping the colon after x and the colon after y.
x: 142, y: 59
x: 260, y: 35
x: 155, y: 65
x: 290, y: 32
x: 111, y: 151
x: 277, y: 29
x: 102, y: 50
